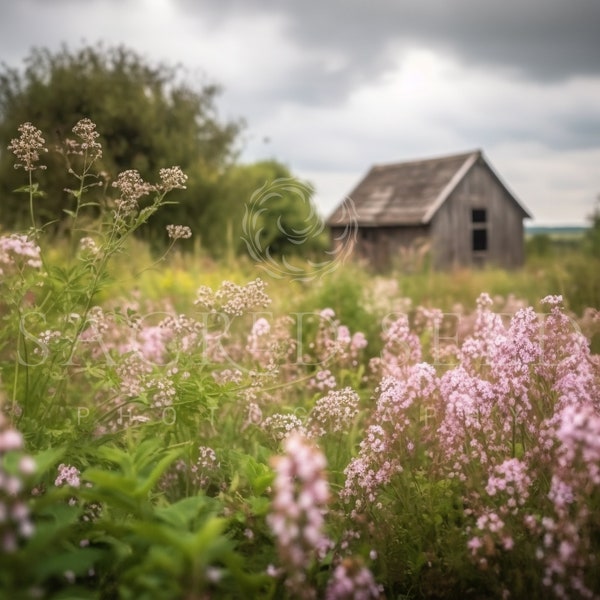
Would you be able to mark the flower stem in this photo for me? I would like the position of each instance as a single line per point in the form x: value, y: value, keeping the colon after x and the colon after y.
x: 31, y: 214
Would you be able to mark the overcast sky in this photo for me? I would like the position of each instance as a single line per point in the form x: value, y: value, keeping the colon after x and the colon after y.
x: 330, y: 87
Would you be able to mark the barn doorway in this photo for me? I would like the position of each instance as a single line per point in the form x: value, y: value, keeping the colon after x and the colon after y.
x: 479, y: 235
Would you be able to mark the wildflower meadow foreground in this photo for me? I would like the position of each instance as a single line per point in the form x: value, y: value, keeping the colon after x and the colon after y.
x: 234, y: 451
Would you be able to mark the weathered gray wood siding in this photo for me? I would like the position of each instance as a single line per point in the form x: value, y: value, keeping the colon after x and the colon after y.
x: 452, y: 226
x: 382, y: 247
x: 393, y: 245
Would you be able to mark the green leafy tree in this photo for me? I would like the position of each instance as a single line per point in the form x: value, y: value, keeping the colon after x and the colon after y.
x: 149, y: 117
x: 592, y: 235
x: 268, y: 209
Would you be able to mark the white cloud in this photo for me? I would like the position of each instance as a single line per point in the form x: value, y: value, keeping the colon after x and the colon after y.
x: 559, y: 187
x: 430, y: 105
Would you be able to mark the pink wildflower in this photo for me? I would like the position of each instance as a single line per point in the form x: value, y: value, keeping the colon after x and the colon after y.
x: 67, y: 475
x: 401, y: 350
x: 301, y: 494
x: 385, y: 441
x: 17, y: 251
x: 15, y: 521
x: 351, y: 580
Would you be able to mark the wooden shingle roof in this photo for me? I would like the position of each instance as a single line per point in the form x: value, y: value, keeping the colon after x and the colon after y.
x: 406, y: 193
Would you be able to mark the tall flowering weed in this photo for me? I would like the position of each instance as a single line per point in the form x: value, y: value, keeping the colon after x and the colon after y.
x: 301, y: 494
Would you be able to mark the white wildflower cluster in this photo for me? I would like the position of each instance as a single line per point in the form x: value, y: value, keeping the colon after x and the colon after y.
x: 228, y: 376
x: 280, y: 425
x: 45, y: 339
x: 85, y: 130
x: 237, y: 300
x: 172, y: 178
x: 179, y: 232
x: 334, y: 412
x: 27, y: 147
x: 163, y: 391
x: 198, y: 474
x: 87, y: 245
x: 205, y: 467
x: 233, y: 299
x: 132, y: 187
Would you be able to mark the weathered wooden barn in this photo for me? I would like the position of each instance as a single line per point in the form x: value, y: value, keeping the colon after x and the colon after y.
x: 455, y: 206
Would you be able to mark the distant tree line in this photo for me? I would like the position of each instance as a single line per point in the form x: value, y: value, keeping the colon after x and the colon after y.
x: 549, y: 242
x: 149, y: 117
x: 592, y: 236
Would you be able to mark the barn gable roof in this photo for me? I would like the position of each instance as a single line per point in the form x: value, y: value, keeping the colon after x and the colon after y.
x: 408, y: 193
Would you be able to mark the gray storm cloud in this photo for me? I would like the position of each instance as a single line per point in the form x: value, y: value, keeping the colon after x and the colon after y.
x: 541, y: 39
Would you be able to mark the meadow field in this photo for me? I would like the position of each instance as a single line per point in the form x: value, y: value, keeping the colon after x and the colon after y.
x: 180, y: 428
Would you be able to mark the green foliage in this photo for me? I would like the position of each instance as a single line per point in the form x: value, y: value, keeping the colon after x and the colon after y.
x: 592, y: 235
x: 346, y: 292
x: 155, y: 423
x: 539, y: 245
x: 269, y: 211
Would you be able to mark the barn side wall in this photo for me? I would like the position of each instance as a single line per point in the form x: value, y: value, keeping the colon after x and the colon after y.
x: 390, y: 246
x: 452, y: 226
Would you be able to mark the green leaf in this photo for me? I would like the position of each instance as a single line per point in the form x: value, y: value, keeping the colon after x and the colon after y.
x: 76, y: 593
x: 47, y: 459
x: 78, y: 561
x: 113, y: 488
x: 24, y: 189
x: 260, y: 483
x: 157, y: 472
x: 159, y: 533
x: 53, y: 524
x: 209, y: 539
x: 259, y: 505
x: 181, y: 514
x: 30, y: 189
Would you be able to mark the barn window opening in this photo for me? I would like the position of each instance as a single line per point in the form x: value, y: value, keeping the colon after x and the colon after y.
x: 479, y: 242
x: 478, y: 215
